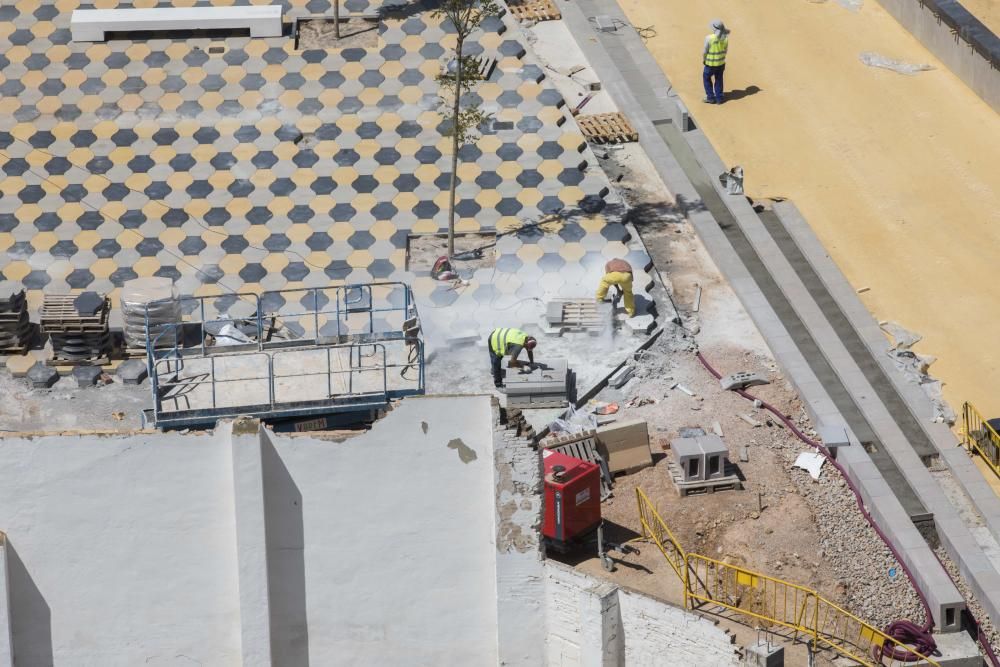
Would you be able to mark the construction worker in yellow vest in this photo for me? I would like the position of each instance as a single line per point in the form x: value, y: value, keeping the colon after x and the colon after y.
x: 508, y: 341
x: 618, y: 272
x: 714, y: 57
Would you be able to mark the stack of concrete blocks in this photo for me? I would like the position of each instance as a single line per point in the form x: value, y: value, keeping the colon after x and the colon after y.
x: 701, y: 463
x: 625, y: 446
x: 155, y: 298
x: 542, y: 386
x: 77, y: 326
x: 15, y: 329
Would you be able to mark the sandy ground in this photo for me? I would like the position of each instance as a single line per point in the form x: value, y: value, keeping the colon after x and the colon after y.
x: 897, y: 174
x: 987, y: 11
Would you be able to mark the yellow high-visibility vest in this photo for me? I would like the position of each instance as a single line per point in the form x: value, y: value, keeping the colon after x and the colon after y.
x: 717, y: 47
x: 501, y: 338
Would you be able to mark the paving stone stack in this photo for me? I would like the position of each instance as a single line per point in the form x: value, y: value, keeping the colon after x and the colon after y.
x: 77, y: 325
x: 160, y: 297
x: 15, y: 329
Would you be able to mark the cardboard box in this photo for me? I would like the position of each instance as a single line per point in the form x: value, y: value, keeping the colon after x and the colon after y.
x: 625, y: 445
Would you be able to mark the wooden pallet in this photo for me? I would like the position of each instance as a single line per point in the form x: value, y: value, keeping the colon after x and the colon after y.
x: 586, y: 450
x: 726, y: 483
x: 535, y: 10
x: 577, y: 315
x: 607, y: 128
x: 59, y: 315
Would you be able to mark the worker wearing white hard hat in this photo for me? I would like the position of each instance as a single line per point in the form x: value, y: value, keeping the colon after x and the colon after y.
x: 714, y: 58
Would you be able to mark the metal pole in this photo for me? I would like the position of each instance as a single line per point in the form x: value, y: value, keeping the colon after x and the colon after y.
x: 329, y: 373
x: 212, y: 361
x: 270, y: 380
x: 201, y: 302
x: 315, y: 297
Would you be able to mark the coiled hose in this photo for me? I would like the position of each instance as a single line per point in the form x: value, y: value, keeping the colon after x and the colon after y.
x: 905, y: 632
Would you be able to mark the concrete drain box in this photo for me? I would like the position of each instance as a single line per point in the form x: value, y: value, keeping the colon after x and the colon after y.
x: 541, y: 386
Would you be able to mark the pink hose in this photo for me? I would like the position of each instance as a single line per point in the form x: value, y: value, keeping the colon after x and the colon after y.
x: 906, y: 632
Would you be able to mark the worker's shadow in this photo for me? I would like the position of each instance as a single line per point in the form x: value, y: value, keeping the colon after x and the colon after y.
x: 734, y: 95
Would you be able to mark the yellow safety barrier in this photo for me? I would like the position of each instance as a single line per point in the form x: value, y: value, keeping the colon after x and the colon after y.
x: 655, y: 529
x: 769, y: 600
x: 978, y: 436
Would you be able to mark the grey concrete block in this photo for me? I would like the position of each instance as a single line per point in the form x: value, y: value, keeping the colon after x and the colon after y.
x: 133, y: 371
x: 87, y: 376
x: 42, y: 376
x: 620, y: 377
x: 766, y: 654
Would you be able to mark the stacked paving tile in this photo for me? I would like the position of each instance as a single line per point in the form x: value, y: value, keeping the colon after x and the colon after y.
x: 77, y: 326
x: 15, y: 327
x: 242, y: 164
x: 151, y: 302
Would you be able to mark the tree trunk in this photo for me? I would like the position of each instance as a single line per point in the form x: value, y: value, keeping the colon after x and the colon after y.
x: 454, y: 152
x: 336, y: 18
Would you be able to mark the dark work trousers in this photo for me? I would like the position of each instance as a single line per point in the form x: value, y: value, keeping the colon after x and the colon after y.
x: 495, y: 360
x: 714, y: 94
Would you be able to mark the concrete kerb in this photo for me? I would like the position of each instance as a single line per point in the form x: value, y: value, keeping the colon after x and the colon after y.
x: 968, y: 476
x: 953, y: 45
x: 797, y: 370
x: 937, y: 583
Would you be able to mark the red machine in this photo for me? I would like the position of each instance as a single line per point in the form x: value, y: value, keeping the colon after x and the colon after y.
x: 572, y: 499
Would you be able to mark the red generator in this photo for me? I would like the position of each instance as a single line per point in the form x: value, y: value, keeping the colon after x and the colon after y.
x: 572, y: 500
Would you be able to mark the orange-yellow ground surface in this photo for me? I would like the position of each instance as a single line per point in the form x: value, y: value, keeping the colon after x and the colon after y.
x: 898, y: 175
x: 987, y: 11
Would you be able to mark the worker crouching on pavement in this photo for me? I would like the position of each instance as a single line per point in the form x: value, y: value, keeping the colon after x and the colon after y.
x: 618, y: 272
x: 714, y: 58
x: 506, y: 341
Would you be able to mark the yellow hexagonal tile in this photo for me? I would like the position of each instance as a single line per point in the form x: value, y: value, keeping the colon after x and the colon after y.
x: 275, y: 262
x: 103, y: 267
x: 530, y: 253
x: 299, y: 232
x: 340, y: 231
x: 87, y: 239
x: 146, y: 266
x: 360, y: 259
x: 383, y: 230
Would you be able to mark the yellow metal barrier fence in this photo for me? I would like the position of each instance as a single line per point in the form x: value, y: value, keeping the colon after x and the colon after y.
x: 771, y: 601
x: 980, y: 437
x: 655, y: 529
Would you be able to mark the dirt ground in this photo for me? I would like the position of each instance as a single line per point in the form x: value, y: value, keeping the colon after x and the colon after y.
x: 319, y: 33
x: 782, y: 523
x: 897, y: 174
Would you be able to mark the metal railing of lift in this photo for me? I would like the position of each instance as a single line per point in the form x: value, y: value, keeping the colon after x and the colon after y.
x: 979, y: 437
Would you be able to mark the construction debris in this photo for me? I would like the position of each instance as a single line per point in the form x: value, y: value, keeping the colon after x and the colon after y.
x: 742, y: 380
x: 750, y: 420
x: 607, y: 128
x: 811, y: 462
x: 620, y: 377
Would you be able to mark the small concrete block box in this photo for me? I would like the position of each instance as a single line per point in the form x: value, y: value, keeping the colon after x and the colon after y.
x: 701, y: 458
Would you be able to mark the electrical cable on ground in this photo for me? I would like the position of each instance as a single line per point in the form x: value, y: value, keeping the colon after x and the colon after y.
x: 903, y: 631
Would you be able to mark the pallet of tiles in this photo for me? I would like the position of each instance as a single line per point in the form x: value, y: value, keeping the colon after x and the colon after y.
x: 77, y: 325
x: 16, y: 332
x: 535, y: 10
x: 607, y: 128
